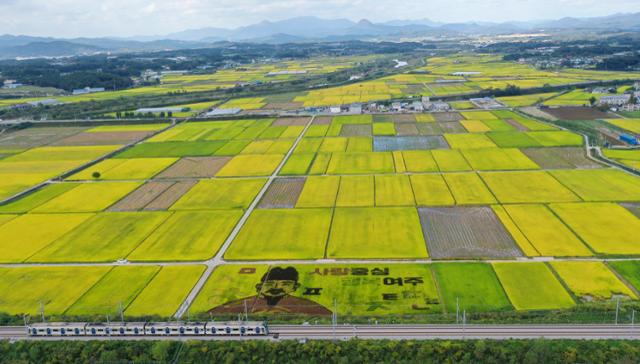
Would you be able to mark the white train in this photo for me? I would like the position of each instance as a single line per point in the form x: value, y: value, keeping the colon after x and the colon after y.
x: 210, y: 328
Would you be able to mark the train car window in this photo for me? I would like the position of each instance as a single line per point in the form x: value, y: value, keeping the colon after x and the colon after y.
x: 121, y: 331
x: 257, y: 330
x: 228, y: 330
x: 34, y: 331
x: 48, y: 331
x: 167, y: 330
x: 77, y: 331
x: 182, y: 330
x: 135, y: 331
x: 107, y: 330
x: 63, y: 331
x: 153, y: 330
x: 213, y: 330
x: 196, y: 330
x: 93, y: 331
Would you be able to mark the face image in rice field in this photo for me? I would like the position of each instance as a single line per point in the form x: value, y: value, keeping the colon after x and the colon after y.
x: 274, y: 295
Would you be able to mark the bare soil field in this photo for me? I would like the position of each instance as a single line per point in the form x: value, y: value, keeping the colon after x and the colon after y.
x: 290, y: 121
x: 516, y: 125
x: 407, y: 129
x: 194, y: 167
x: 403, y: 118
x: 282, y: 194
x: 447, y: 116
x: 355, y: 130
x: 322, y: 120
x: 452, y: 127
x: 36, y: 136
x: 535, y: 112
x: 429, y: 129
x: 633, y: 207
x: 578, y: 113
x: 141, y: 197
x: 106, y: 138
x: 170, y: 196
x: 560, y: 158
x: 388, y: 144
x: 466, y: 232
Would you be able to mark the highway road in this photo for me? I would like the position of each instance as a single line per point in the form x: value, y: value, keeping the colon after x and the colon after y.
x: 397, y: 332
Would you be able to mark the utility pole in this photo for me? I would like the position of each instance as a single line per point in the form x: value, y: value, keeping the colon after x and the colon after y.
x: 121, y: 312
x: 246, y: 313
x: 457, y: 310
x: 617, y: 309
x: 334, y: 317
x: 42, y: 311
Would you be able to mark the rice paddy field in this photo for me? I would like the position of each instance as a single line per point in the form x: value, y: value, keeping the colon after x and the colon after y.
x: 303, y: 216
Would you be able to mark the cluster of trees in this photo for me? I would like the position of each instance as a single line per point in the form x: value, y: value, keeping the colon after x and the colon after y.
x: 361, y: 351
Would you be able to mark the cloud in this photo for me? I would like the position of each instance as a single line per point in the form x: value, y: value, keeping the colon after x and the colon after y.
x: 71, y: 18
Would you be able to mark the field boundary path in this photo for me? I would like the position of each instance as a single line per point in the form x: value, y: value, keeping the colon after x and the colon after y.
x: 218, y: 258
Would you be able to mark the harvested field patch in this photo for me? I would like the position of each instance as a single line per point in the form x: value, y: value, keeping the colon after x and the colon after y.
x: 376, y: 233
x: 545, y: 232
x: 322, y: 120
x: 290, y: 121
x: 36, y: 136
x: 196, y: 235
x: 172, y: 194
x: 393, y: 190
x: 116, y: 289
x: 403, y: 118
x: 452, y: 127
x: 107, y: 138
x: 282, y: 234
x: 319, y: 192
x: 356, y: 191
x: 560, y: 158
x: 354, y: 130
x: 470, y: 286
x: 25, y: 289
x: 447, y: 116
x: 532, y: 286
x: 24, y: 236
x: 220, y: 194
x: 359, y: 163
x: 601, y: 184
x: 527, y: 187
x: 578, y: 113
x: 516, y: 125
x: 606, y: 227
x: 407, y: 129
x: 591, y: 280
x: 634, y: 208
x: 498, y: 159
x: 466, y: 232
x: 195, y: 167
x: 388, y: 144
x: 105, y: 237
x: 168, y: 289
x: 141, y: 197
x: 282, y: 193
x: 429, y: 129
x: 431, y: 190
x: 468, y: 189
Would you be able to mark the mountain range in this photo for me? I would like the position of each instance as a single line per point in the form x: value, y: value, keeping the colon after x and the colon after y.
x: 300, y: 29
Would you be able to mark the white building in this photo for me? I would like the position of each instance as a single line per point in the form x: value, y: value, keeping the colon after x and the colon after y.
x: 88, y: 90
x: 355, y: 109
x: 417, y: 106
x: 466, y: 73
x: 615, y: 100
x: 335, y: 109
x: 223, y: 112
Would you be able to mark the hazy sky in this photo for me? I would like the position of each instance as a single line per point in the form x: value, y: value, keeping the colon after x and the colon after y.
x: 69, y: 18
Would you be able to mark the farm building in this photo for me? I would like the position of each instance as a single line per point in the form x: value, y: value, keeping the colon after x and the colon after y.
x: 87, y: 90
x: 615, y: 100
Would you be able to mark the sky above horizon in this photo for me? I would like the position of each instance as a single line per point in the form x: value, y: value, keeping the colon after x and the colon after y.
x: 123, y: 18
